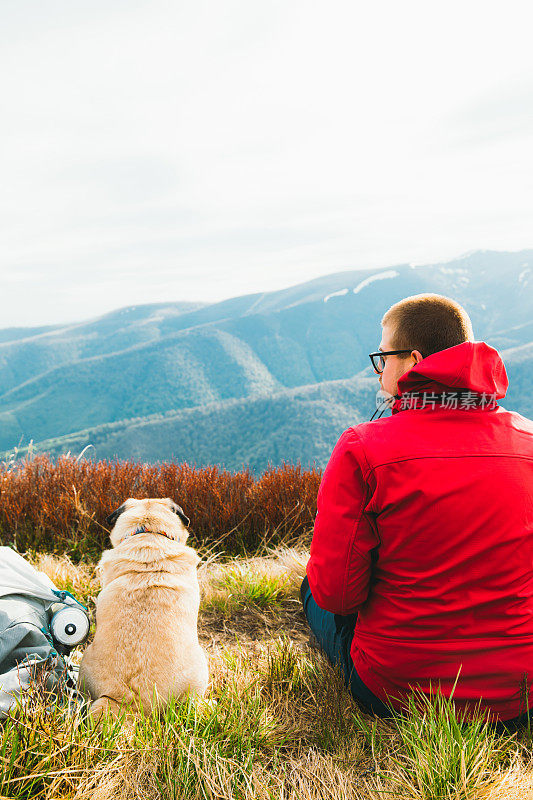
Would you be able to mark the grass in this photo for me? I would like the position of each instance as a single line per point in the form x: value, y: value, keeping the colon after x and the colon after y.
x: 444, y: 755
x: 278, y: 724
x: 239, y: 588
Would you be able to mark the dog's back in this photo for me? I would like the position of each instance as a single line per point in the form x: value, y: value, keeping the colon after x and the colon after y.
x: 146, y: 645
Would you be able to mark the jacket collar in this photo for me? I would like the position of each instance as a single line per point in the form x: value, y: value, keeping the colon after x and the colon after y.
x: 470, y: 367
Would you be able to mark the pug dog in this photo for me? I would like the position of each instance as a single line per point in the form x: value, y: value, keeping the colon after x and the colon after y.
x: 145, y: 649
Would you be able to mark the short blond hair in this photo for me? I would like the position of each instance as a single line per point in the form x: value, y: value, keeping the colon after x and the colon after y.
x: 428, y: 323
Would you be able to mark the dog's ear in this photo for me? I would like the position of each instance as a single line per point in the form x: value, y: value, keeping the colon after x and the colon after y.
x: 112, y: 518
x: 181, y: 514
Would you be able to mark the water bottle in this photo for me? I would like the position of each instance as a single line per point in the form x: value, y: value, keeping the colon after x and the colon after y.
x: 69, y: 625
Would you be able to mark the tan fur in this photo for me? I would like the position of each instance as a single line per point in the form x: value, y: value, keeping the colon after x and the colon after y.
x: 145, y: 648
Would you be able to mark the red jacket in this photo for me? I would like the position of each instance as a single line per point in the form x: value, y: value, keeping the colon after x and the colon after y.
x: 425, y: 528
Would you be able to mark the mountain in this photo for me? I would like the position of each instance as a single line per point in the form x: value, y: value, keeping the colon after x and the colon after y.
x: 293, y: 425
x: 253, y: 379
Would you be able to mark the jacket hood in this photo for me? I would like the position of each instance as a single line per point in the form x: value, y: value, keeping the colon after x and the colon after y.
x: 469, y: 366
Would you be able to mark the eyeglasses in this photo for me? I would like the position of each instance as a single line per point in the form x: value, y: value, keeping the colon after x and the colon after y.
x: 378, y: 362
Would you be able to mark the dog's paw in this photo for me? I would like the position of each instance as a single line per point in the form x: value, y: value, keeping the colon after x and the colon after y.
x: 205, y: 705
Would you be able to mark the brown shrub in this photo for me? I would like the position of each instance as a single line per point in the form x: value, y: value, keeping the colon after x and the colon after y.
x: 60, y: 506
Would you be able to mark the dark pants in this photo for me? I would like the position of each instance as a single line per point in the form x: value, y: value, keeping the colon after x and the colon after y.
x: 334, y: 635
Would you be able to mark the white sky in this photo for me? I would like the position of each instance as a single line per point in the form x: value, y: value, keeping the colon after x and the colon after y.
x: 198, y: 150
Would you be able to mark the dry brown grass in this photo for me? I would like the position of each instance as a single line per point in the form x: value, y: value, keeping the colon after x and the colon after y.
x: 61, y: 506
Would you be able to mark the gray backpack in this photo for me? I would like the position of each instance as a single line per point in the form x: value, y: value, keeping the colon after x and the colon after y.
x: 39, y: 624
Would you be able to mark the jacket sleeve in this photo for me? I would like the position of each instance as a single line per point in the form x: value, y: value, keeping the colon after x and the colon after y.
x: 339, y: 568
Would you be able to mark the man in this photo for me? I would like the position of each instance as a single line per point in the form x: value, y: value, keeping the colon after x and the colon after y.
x: 421, y: 567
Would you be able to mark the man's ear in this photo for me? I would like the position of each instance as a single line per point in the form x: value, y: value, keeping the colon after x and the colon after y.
x: 112, y: 518
x: 181, y: 514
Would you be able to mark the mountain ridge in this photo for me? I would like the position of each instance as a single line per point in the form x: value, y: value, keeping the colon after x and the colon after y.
x: 160, y: 358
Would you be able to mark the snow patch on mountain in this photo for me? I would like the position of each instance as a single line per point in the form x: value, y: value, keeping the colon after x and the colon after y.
x: 340, y: 293
x: 523, y: 278
x: 389, y: 273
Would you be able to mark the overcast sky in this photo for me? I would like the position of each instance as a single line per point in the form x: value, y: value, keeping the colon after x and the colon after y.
x: 197, y: 150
